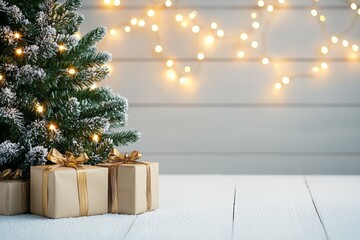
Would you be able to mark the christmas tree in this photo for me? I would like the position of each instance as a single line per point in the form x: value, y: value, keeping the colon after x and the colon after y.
x: 48, y: 93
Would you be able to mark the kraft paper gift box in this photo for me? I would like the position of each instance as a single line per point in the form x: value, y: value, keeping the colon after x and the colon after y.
x: 133, y: 185
x: 68, y: 189
x: 14, y: 197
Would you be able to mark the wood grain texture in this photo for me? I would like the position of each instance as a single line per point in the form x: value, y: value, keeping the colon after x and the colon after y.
x: 191, y: 207
x: 255, y: 163
x: 275, y: 207
x: 139, y: 74
x: 246, y: 129
x: 338, y: 201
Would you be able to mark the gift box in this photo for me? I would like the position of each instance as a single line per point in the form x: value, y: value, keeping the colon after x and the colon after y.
x: 68, y: 190
x: 14, y: 193
x: 133, y: 185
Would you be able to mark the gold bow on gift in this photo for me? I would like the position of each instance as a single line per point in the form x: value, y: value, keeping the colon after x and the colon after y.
x: 9, y: 174
x: 128, y: 158
x: 67, y: 160
x: 116, y: 156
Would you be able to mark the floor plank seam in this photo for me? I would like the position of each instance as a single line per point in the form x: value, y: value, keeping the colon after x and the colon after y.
x: 233, y: 215
x: 128, y: 231
x: 316, y: 209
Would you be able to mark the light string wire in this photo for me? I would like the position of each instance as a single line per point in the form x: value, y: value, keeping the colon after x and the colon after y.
x: 261, y: 17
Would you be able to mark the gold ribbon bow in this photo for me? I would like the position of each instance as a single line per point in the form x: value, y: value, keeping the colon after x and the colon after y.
x: 67, y: 160
x: 9, y: 174
x: 117, y: 159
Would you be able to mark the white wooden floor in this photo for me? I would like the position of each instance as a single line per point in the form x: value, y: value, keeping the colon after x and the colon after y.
x: 219, y: 207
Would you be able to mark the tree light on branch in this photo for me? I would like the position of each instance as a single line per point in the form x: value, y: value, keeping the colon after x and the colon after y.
x: 71, y: 71
x: 19, y: 51
x: 39, y: 108
x: 95, y: 138
x: 17, y: 35
x: 52, y: 127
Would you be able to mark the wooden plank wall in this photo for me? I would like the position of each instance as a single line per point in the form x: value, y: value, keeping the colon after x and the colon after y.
x: 231, y: 119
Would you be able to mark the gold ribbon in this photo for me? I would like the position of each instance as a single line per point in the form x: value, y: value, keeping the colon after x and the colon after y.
x: 117, y: 159
x: 67, y: 160
x: 9, y: 174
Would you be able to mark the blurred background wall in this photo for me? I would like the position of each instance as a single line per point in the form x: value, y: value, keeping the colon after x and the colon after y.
x: 226, y: 116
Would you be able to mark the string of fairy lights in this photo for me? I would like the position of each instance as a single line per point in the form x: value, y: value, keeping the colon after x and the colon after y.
x: 248, y: 39
x: 71, y: 71
x: 214, y: 33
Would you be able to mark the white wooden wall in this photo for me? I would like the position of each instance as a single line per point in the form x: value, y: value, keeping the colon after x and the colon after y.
x: 231, y: 120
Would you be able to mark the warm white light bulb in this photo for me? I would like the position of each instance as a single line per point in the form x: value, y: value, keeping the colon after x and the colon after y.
x: 169, y: 63
x: 182, y: 80
x: 168, y: 3
x: 253, y: 15
x: 158, y: 48
x: 187, y: 69
x: 192, y: 15
x: 256, y: 25
x: 270, y: 8
x: 314, y: 12
x: 39, y: 108
x: 209, y: 40
x: 141, y: 23
x: 281, y: 1
x: 359, y: 11
x: 214, y: 25
x: 334, y: 39
x: 151, y: 13
x: 117, y: 2
x: 355, y: 48
x: 52, y: 127
x: 353, y: 6
x: 61, y: 47
x: 133, y: 21
x: 200, y: 56
x: 345, y: 43
x: 154, y: 28
x: 112, y: 32
x: 277, y: 85
x: 240, y: 54
x: 195, y: 29
x: 93, y: 87
x: 184, y: 24
x: 285, y: 80
x: 261, y: 3
x: 324, y: 65
x: 324, y: 50
x: 179, y: 17
x: 71, y: 71
x: 254, y: 44
x: 95, y: 138
x: 265, y: 61
x: 220, y: 33
x: 322, y: 18
x: 244, y: 36
x: 1, y: 77
x: 19, y: 51
x: 316, y: 69
x: 107, y: 2
x: 17, y: 35
x: 171, y: 74
x: 127, y: 29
